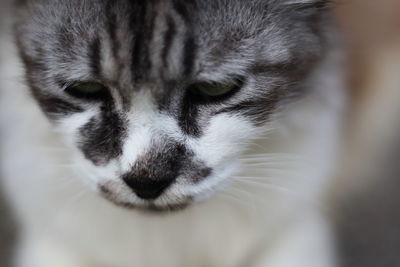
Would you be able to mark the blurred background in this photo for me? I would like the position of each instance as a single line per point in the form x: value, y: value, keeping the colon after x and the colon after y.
x: 366, y: 194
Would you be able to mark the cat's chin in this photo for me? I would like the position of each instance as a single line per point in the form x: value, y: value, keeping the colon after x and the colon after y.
x: 154, y: 209
x: 148, y: 207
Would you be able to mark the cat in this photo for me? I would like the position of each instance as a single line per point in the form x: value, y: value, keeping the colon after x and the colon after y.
x: 171, y: 133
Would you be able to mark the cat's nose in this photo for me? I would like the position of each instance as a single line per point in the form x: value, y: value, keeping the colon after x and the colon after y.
x: 148, y: 189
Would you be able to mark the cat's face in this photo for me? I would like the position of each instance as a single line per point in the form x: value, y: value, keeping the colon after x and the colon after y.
x: 159, y: 98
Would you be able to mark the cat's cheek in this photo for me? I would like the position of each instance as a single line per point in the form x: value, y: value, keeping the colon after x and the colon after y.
x: 69, y: 129
x: 92, y: 175
x: 217, y: 181
x: 223, y: 140
x: 70, y: 126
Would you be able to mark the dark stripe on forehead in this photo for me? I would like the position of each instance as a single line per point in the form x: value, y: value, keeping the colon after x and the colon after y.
x: 168, y: 38
x: 182, y: 8
x: 189, y: 54
x: 137, y: 22
x: 142, y: 21
x: 151, y: 20
x: 112, y: 29
x: 94, y: 54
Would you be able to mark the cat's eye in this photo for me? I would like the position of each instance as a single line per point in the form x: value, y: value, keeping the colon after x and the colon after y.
x: 215, y: 91
x: 87, y: 90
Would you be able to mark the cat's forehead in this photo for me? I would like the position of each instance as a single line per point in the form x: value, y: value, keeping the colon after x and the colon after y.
x: 129, y: 44
x: 179, y: 37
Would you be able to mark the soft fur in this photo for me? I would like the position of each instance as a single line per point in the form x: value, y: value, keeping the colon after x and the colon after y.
x: 248, y: 172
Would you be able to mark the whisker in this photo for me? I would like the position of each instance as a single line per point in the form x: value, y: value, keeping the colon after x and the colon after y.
x: 266, y: 185
x: 241, y: 197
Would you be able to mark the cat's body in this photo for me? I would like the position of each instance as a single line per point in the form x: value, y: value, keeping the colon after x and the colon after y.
x: 271, y: 215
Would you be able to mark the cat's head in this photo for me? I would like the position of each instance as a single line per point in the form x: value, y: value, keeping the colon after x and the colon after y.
x: 159, y: 98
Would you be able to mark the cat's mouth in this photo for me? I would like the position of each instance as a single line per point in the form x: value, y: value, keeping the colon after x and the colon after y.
x: 146, y: 206
x: 153, y: 208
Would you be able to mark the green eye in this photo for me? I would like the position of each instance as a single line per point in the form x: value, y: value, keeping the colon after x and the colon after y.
x: 216, y: 89
x: 208, y: 92
x: 87, y: 90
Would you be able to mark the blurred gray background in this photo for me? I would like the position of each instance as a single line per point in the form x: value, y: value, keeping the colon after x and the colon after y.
x: 7, y: 235
x: 7, y: 225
